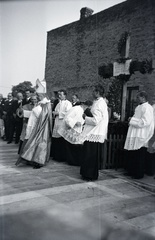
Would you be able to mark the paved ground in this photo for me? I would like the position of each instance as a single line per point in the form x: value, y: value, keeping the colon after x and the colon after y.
x: 54, y: 203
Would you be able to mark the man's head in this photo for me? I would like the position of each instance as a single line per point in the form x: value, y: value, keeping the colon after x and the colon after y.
x: 9, y: 96
x: 28, y: 93
x: 62, y: 94
x: 41, y: 96
x: 86, y: 104
x: 75, y: 98
x: 142, y: 97
x: 98, y: 91
x: 19, y: 96
x: 34, y: 99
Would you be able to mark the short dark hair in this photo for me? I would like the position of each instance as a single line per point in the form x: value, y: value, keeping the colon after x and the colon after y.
x: 143, y: 94
x: 64, y: 91
x: 75, y: 95
x: 99, y: 88
x: 87, y: 103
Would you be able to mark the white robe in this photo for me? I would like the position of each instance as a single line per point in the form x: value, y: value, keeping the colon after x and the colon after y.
x: 62, y: 108
x: 34, y: 116
x: 96, y: 127
x: 141, y: 127
x: 72, y: 125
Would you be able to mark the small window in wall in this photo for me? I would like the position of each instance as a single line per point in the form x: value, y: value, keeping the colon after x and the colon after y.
x: 131, y: 101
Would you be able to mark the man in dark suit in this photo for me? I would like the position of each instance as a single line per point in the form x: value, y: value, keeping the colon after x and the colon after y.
x: 9, y: 118
x: 27, y: 99
x: 17, y: 111
x: 2, y: 103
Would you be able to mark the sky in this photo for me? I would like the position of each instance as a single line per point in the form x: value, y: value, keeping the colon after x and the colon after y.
x: 23, y: 34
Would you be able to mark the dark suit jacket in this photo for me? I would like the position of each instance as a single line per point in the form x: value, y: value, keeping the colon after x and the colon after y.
x: 26, y: 101
x: 2, y: 104
x: 9, y: 107
x: 76, y: 104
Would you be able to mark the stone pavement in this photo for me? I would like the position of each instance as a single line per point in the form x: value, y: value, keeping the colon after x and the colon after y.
x: 54, y: 203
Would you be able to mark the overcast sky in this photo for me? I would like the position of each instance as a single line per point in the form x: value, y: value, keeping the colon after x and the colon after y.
x: 23, y: 34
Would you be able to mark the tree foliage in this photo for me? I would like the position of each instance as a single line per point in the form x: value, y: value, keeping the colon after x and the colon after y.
x: 114, y: 95
x: 22, y: 87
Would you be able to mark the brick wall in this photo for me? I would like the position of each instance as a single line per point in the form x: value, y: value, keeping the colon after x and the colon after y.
x: 75, y: 51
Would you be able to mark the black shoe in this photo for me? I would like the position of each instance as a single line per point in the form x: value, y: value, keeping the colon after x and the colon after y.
x: 87, y: 179
x: 137, y: 177
x: 9, y: 142
x: 37, y: 167
x: 127, y: 174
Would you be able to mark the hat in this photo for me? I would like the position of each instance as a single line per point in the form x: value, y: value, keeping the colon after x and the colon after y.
x: 40, y: 86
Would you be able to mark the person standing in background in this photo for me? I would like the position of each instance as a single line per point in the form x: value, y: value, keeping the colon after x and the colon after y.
x: 94, y: 135
x: 2, y: 103
x: 17, y: 112
x: 27, y: 99
x: 36, y: 146
x: 10, y: 118
x: 58, y: 148
x: 75, y: 100
x: 26, y: 111
x: 141, y: 129
x: 150, y: 161
x: 71, y: 129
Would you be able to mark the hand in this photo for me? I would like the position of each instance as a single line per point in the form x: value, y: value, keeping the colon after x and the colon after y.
x: 55, y: 113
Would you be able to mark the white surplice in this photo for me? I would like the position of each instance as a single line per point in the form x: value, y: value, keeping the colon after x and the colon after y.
x: 62, y: 108
x: 141, y: 127
x: 72, y: 124
x: 96, y: 127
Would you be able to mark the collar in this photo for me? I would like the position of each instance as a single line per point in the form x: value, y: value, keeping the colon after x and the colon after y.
x: 143, y: 103
x: 98, y: 98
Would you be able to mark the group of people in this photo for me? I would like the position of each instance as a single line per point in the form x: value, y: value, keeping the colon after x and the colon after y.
x: 75, y: 132
x: 80, y: 131
x: 11, y: 115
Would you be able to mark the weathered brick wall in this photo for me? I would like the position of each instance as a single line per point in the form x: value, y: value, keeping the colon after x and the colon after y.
x: 75, y: 51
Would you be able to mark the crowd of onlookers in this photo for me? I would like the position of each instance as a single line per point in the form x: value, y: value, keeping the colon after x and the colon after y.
x: 11, y: 115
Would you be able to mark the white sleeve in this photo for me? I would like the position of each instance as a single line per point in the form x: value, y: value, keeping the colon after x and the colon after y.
x: 145, y: 119
x: 65, y: 109
x: 97, y: 115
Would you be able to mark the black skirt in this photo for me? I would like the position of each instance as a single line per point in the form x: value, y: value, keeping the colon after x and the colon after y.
x: 91, y: 157
x: 135, y: 162
x: 73, y: 154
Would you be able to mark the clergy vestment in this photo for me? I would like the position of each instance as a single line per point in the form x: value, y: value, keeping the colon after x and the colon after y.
x: 70, y: 130
x: 27, y: 109
x: 72, y: 125
x: 150, y: 163
x: 93, y: 136
x: 36, y: 147
x: 141, y: 128
x: 58, y: 143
